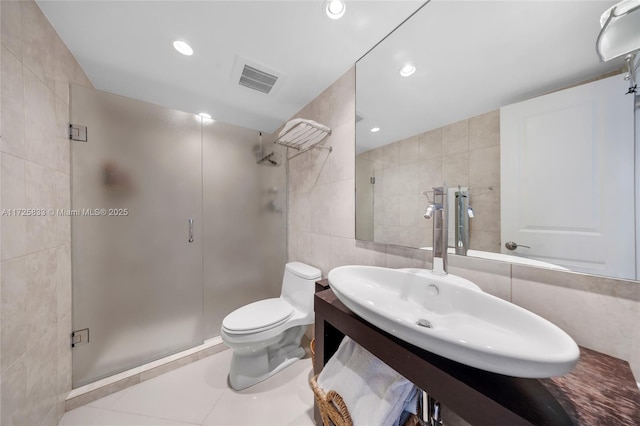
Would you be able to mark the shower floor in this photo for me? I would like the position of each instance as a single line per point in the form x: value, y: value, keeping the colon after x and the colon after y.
x: 198, y: 394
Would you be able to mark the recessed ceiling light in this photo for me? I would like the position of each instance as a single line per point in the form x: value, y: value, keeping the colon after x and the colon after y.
x: 375, y: 129
x: 334, y: 8
x: 183, y: 48
x: 205, y: 115
x: 407, y: 70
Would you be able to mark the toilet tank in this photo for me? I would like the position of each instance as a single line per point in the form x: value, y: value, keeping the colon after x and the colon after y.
x: 298, y: 285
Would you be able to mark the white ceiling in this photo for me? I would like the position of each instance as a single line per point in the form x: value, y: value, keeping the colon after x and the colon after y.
x: 473, y: 57
x: 125, y: 47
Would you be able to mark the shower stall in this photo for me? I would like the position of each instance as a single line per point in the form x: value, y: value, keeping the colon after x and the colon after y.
x: 174, y: 225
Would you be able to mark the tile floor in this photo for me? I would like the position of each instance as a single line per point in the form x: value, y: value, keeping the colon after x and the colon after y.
x: 198, y: 394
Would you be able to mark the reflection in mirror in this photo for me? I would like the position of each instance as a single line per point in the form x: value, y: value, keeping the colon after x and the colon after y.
x: 509, y: 103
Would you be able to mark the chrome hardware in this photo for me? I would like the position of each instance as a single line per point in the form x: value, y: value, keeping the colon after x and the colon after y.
x: 190, y: 230
x: 433, y: 290
x: 438, y: 211
x: 77, y: 132
x: 463, y: 212
x: 429, y: 212
x: 79, y: 337
x: 433, y: 412
x: 511, y: 245
x: 424, y: 323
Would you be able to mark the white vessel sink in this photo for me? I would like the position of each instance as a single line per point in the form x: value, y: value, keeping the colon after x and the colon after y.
x: 446, y: 316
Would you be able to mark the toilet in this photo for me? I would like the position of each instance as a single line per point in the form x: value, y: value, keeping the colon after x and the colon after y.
x: 265, y: 335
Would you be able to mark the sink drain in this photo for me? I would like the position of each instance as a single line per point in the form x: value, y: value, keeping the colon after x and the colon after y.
x: 424, y: 323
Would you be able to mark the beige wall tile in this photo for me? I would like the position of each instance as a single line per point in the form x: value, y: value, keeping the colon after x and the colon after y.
x: 47, y: 189
x: 455, y: 169
x: 41, y: 293
x: 492, y: 277
x: 401, y: 180
x: 35, y: 317
x: 42, y: 390
x: 484, y: 130
x: 15, y: 405
x: 38, y: 43
x: 64, y: 361
x: 430, y: 144
x: 299, y: 213
x: 455, y: 138
x: 338, y: 165
x: 485, y: 240
x: 299, y: 248
x: 409, y: 150
x: 336, y: 105
x: 40, y: 121
x: 332, y: 209
x: 14, y: 336
x: 430, y: 174
x: 403, y: 257
x: 63, y: 281
x: 11, y: 27
x: 486, y: 207
x: 13, y: 197
x: 12, y: 105
x: 368, y: 253
x: 333, y: 251
x: 617, y: 288
x: 484, y: 166
x: 597, y: 321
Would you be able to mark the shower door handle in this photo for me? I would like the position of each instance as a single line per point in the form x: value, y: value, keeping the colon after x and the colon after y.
x: 190, y: 230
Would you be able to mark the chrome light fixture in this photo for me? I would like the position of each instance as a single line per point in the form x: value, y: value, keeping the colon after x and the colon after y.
x: 619, y: 35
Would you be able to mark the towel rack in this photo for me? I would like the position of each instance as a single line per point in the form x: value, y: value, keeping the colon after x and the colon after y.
x: 303, y: 135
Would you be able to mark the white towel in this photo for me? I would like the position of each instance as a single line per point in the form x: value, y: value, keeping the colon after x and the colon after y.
x: 373, y: 392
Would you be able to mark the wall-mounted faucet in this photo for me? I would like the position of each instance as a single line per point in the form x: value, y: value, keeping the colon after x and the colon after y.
x: 463, y: 212
x: 437, y: 211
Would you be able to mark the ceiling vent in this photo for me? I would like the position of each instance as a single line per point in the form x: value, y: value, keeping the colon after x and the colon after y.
x: 256, y: 79
x: 254, y: 76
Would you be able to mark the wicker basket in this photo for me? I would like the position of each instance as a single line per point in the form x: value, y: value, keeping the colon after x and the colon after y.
x: 331, y: 405
x: 334, y: 411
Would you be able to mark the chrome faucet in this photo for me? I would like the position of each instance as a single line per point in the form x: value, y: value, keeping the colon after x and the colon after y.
x: 463, y: 213
x: 437, y: 211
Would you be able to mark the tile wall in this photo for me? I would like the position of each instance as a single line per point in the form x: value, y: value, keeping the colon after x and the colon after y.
x: 466, y: 154
x: 35, y: 280
x: 600, y: 313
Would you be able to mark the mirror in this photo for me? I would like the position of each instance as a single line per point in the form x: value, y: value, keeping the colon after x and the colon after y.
x: 449, y: 121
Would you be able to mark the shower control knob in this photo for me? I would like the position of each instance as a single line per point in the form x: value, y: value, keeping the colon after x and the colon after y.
x: 511, y: 245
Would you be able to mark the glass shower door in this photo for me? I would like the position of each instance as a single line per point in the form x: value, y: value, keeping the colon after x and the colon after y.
x: 136, y: 223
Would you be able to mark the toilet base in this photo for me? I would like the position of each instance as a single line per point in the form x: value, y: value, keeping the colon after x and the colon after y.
x: 253, y: 363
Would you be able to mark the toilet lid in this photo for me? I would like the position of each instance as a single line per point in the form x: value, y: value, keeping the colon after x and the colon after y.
x: 258, y: 315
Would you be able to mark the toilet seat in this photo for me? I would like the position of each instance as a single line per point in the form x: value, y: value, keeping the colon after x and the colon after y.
x: 258, y: 316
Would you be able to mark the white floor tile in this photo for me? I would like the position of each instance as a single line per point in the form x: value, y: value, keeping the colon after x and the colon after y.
x: 186, y: 394
x: 199, y: 394
x: 284, y: 399
x: 90, y: 416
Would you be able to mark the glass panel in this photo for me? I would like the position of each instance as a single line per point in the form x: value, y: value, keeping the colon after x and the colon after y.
x: 137, y: 280
x: 244, y: 221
